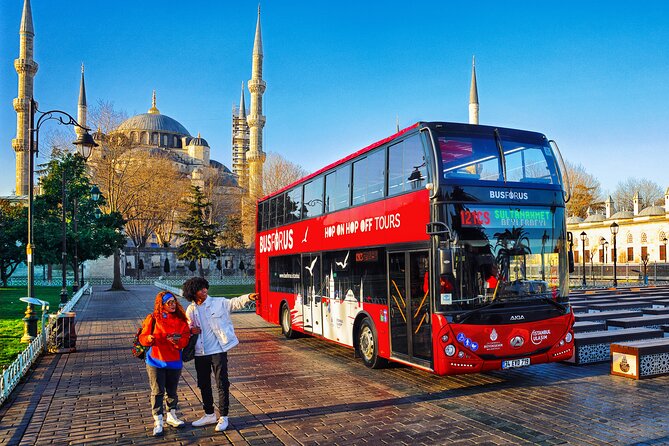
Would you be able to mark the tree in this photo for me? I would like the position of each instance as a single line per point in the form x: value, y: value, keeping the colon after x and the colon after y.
x: 585, y: 191
x: 13, y: 238
x: 278, y: 172
x: 231, y: 235
x: 198, y: 234
x: 94, y: 237
x: 649, y: 191
x: 149, y: 202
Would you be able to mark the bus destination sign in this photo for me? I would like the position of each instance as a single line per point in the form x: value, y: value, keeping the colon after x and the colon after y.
x: 499, y: 217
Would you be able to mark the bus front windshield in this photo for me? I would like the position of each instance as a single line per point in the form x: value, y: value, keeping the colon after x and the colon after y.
x: 528, y: 158
x: 505, y: 254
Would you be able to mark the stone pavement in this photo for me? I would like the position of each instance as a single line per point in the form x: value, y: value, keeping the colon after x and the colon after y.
x: 309, y: 392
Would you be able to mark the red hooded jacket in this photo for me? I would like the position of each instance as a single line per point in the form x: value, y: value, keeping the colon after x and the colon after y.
x: 163, y: 353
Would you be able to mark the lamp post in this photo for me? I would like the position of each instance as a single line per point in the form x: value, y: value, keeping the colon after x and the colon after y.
x: 664, y: 240
x: 84, y: 140
x: 583, y: 236
x: 614, y: 233
x: 85, y: 152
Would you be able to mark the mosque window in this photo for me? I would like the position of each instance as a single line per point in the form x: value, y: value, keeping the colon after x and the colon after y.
x: 644, y: 238
x: 630, y: 239
x: 165, y: 140
x: 145, y: 137
x: 176, y: 144
x: 154, y: 138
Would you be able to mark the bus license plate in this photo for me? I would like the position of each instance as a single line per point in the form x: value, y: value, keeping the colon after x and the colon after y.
x: 512, y: 363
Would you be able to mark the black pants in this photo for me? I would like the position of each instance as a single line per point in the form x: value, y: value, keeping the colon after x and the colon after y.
x: 204, y: 365
x: 163, y: 381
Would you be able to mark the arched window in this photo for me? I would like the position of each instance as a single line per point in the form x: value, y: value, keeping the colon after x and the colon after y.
x: 154, y: 138
x: 134, y: 137
x: 630, y: 239
x: 587, y: 241
x: 644, y: 238
x: 165, y: 140
x: 175, y: 142
x: 145, y: 137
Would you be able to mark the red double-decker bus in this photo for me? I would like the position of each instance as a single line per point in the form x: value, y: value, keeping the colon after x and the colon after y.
x: 443, y: 246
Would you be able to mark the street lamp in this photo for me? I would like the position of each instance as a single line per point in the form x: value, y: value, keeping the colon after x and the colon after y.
x: 583, y: 236
x: 614, y: 233
x: 86, y: 150
x: 85, y: 140
x: 664, y: 240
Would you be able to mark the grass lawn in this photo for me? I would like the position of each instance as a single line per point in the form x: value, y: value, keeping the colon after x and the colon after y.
x: 230, y: 290
x: 12, y: 311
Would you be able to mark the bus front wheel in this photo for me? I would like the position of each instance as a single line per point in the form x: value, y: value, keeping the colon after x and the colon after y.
x: 286, y: 326
x: 368, y: 345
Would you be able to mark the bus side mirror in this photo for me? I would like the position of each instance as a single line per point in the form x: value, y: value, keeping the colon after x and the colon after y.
x: 446, y: 262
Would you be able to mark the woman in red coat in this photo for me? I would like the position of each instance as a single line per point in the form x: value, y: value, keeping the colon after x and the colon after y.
x: 166, y: 331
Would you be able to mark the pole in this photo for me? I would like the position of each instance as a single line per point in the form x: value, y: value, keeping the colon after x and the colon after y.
x: 615, y: 261
x: 30, y: 319
x: 583, y: 244
x: 75, y: 285
x: 63, y: 248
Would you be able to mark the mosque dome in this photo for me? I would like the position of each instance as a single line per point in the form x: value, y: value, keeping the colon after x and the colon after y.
x: 198, y: 141
x: 574, y: 219
x: 622, y: 215
x: 651, y: 211
x: 153, y: 121
x: 594, y: 218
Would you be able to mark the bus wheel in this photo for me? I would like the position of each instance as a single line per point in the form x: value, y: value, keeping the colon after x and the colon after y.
x: 286, y: 328
x: 368, y: 346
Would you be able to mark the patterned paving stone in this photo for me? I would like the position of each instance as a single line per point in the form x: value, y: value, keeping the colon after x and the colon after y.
x: 309, y: 392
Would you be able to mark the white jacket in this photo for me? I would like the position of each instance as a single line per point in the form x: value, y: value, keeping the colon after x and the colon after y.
x: 219, y: 309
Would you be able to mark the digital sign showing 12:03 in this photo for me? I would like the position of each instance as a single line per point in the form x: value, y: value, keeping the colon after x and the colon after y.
x: 506, y: 217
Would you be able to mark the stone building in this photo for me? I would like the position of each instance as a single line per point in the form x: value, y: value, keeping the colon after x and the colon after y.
x: 642, y: 234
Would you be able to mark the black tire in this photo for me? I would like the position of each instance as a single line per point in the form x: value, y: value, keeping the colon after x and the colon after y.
x: 285, y: 318
x: 368, y: 345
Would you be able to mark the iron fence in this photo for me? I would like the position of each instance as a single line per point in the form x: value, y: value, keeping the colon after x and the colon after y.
x: 21, y: 365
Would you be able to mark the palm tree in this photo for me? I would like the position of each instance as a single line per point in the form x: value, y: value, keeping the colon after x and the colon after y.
x: 511, y: 243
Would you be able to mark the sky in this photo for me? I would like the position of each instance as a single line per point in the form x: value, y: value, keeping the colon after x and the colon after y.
x: 590, y: 75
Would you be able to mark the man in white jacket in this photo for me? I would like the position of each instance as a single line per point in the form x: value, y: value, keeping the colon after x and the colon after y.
x: 210, y: 318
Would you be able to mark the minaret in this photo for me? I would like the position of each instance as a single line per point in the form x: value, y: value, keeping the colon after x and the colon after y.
x: 240, y: 143
x: 255, y: 157
x: 610, y: 210
x: 81, y: 108
x: 26, y: 68
x: 473, y: 97
x: 637, y: 203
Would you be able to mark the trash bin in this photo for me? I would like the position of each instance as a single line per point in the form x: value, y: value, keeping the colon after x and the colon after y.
x: 64, y: 334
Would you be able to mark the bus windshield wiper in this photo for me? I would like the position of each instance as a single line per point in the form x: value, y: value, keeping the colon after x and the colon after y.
x: 460, y: 318
x: 555, y: 303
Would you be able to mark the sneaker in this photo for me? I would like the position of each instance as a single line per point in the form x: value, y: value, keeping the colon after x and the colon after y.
x: 222, y: 424
x: 172, y: 419
x: 157, y: 425
x: 208, y: 418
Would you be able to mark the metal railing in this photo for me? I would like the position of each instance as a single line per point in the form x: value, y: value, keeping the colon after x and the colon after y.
x: 18, y: 369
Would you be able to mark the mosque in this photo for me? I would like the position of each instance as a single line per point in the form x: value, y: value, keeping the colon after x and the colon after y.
x: 162, y: 134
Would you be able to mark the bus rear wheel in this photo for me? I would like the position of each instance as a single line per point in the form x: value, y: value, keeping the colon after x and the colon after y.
x: 368, y: 345
x: 286, y: 327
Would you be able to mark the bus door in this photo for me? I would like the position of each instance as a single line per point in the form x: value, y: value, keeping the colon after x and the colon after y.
x: 409, y: 303
x: 312, y: 310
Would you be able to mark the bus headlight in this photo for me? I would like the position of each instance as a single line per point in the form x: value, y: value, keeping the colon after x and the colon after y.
x: 444, y: 338
x: 449, y: 350
x: 568, y: 338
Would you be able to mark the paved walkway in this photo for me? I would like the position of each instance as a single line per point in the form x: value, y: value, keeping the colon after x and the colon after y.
x: 309, y: 392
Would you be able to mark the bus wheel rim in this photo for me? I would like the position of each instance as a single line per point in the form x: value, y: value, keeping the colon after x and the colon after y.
x: 367, y: 343
x: 285, y: 321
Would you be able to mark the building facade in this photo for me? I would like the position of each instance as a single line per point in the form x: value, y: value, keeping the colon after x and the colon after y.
x: 641, y: 234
